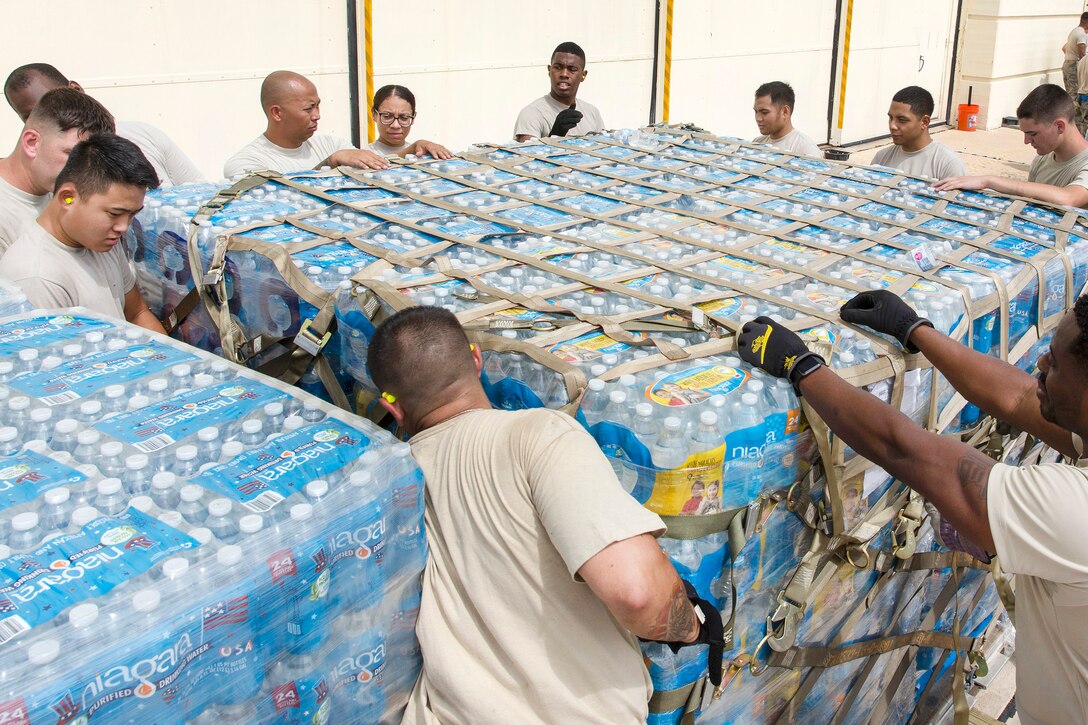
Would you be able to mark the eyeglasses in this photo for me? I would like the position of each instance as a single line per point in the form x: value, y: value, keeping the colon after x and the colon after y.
x: 386, y: 118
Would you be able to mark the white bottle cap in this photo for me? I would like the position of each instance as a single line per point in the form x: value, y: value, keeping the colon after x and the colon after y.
x: 229, y: 555
x: 146, y: 600
x: 220, y: 507
x: 252, y: 426
x: 20, y: 402
x: 94, y: 337
x: 84, y: 515
x: 175, y: 568
x: 158, y: 385
x: 138, y: 401
x: 749, y: 399
x: 672, y: 423
x: 66, y: 426
x: 57, y: 496
x: 208, y: 434
x: 43, y: 652
x: 186, y: 453
x: 172, y: 519
x: 360, y: 478
x: 202, y: 380
x: 112, y: 449
x: 293, y: 422
x: 250, y: 524
x: 40, y: 415
x: 109, y: 486
x: 232, y: 449
x: 301, y: 512
x: 83, y: 615
x: 191, y: 492
x: 202, y: 534
x: 644, y: 410
x: 8, y: 433
x: 627, y: 381
x: 141, y: 503
x: 316, y: 488
x: 181, y: 371
x: 369, y: 459
x: 25, y: 521
x: 755, y: 386
x: 617, y: 397
x: 163, y: 480
x: 273, y: 409
x: 87, y: 408
x: 708, y: 418
x: 72, y: 350
x: 88, y: 437
x: 28, y: 354
x: 136, y: 461
x: 596, y: 385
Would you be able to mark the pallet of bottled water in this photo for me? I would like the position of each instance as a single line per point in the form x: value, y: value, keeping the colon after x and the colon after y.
x: 185, y: 541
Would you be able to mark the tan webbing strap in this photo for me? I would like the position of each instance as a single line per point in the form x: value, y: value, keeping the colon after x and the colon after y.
x: 1005, y: 590
x: 689, y: 697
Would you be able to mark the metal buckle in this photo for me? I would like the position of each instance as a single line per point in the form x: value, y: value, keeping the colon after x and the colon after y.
x: 213, y: 276
x: 308, y: 341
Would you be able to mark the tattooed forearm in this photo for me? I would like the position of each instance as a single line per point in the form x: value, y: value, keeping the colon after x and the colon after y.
x: 677, y: 622
x: 974, y: 475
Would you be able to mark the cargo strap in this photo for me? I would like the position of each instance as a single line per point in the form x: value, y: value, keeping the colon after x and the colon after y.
x: 692, y: 697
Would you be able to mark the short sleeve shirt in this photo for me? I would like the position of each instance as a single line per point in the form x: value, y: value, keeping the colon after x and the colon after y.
x: 537, y: 118
x: 795, y: 141
x: 1076, y: 36
x: 516, y: 503
x: 1037, y: 518
x: 1045, y: 170
x: 54, y: 275
x: 18, y: 210
x: 933, y: 161
x: 260, y: 153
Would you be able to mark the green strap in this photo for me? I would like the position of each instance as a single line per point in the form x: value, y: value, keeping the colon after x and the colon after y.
x: 696, y: 527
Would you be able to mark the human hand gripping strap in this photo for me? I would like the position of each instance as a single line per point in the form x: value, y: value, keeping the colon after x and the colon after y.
x: 711, y: 632
x: 886, y: 313
x: 768, y: 345
x: 567, y: 119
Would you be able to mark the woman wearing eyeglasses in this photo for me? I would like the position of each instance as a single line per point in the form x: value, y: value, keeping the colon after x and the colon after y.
x: 394, y: 111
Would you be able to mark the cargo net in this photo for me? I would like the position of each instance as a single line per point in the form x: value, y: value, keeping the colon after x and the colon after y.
x: 606, y: 276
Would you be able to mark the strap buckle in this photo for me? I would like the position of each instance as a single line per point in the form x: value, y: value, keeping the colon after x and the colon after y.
x: 308, y: 341
x: 213, y: 276
x: 782, y: 625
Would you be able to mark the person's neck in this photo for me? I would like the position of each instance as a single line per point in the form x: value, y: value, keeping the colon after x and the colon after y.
x: 15, y: 170
x: 565, y: 101
x: 1072, y: 144
x: 783, y: 132
x: 273, y: 134
x: 466, y: 399
x: 49, y: 220
x: 920, y: 143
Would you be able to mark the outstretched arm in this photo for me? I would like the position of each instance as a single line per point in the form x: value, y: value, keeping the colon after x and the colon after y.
x: 1072, y: 195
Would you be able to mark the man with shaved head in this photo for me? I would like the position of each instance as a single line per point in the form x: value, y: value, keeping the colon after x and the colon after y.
x: 541, y: 566
x: 292, y: 107
x: 26, y: 85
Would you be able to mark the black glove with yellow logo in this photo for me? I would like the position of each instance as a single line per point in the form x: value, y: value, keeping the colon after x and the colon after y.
x: 767, y: 344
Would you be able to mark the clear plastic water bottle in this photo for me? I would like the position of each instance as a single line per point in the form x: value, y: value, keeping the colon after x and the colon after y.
x: 240, y: 669
x: 41, y: 424
x: 115, y: 400
x: 618, y: 411
x: 86, y: 450
x: 670, y: 450
x: 308, y: 618
x: 65, y: 435
x: 90, y: 412
x: 111, y: 498
x: 316, y: 491
x: 26, y: 531
x: 56, y: 511
x: 186, y: 464
x: 312, y: 411
x: 81, y: 516
x: 594, y: 401
x: 164, y: 490
x: 273, y: 416
x: 9, y: 440
x: 209, y: 444
x: 110, y: 462
x: 220, y: 520
x: 252, y: 433
x: 18, y: 413
x: 231, y: 450
x: 191, y: 504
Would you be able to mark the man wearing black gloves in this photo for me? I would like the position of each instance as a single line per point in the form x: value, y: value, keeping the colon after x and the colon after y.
x: 560, y: 113
x: 1033, y: 517
x: 541, y: 566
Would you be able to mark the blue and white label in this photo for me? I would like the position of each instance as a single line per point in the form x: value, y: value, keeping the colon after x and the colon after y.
x: 262, y: 477
x: 162, y: 424
x: 79, y: 378
x: 27, y: 475
x: 40, y: 331
x: 537, y: 216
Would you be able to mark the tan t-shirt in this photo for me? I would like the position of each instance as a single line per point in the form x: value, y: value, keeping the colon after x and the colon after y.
x: 537, y: 118
x: 18, y: 210
x: 1037, y: 518
x: 1045, y: 170
x: 55, y: 275
x: 1076, y: 36
x: 934, y: 161
x: 794, y: 142
x: 516, y: 503
x: 260, y: 153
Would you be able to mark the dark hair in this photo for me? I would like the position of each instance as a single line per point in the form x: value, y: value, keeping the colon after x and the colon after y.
x: 572, y: 48
x: 104, y: 159
x: 418, y: 352
x: 1046, y: 104
x: 386, y: 92
x: 781, y: 93
x: 67, y: 108
x: 1083, y: 18
x: 23, y: 76
x: 919, y: 99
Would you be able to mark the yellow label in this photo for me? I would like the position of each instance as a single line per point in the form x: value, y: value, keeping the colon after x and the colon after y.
x: 693, y: 489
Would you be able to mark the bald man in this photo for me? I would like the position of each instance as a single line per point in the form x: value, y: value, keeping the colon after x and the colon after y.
x: 26, y: 85
x: 293, y: 108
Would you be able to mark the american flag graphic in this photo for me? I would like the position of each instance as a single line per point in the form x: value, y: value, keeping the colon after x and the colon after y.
x: 54, y: 387
x: 6, y: 606
x: 231, y: 611
x: 148, y: 431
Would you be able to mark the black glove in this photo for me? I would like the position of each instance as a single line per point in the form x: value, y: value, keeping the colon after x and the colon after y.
x: 884, y: 312
x: 711, y: 632
x: 767, y: 344
x: 567, y: 119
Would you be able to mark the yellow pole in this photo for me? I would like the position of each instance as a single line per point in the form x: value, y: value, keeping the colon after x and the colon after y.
x: 668, y: 62
x: 845, y: 61
x: 368, y: 36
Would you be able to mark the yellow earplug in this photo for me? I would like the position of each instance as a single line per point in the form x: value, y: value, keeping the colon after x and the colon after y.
x: 389, y: 398
x: 471, y: 347
x: 67, y: 200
